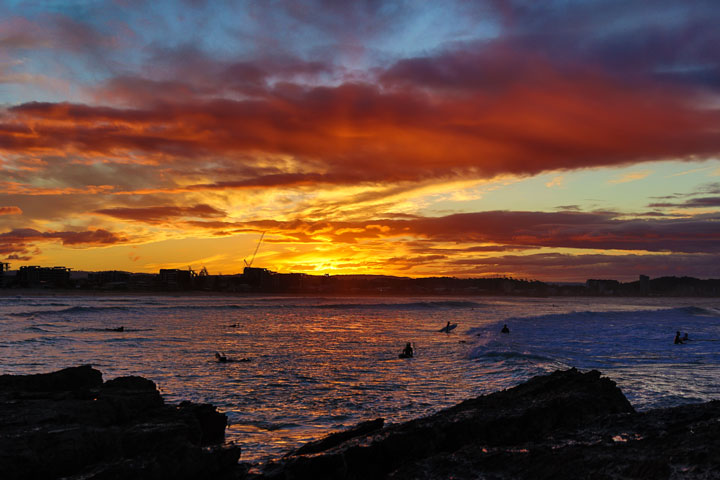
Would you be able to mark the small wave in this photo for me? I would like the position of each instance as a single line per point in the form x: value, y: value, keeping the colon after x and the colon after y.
x: 37, y: 329
x: 49, y: 304
x: 268, y: 426
x: 207, y: 307
x: 333, y: 306
x: 77, y: 309
x: 400, y: 306
x: 510, y: 355
x: 700, y: 311
x: 111, y: 329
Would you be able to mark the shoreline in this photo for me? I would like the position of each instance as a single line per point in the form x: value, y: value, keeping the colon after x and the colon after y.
x: 39, y: 292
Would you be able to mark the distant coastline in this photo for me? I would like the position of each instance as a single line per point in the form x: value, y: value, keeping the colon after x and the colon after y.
x: 254, y: 281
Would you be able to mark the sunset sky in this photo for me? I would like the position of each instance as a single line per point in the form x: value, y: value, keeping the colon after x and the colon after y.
x: 553, y: 140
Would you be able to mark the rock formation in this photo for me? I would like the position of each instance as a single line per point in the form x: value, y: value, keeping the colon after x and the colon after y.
x: 69, y: 424
x: 566, y: 425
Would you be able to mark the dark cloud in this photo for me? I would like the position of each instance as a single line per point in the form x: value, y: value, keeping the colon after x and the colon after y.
x: 556, y: 267
x: 509, y: 230
x: 159, y: 214
x: 89, y: 237
x: 701, y: 202
x: 669, y: 41
x: 20, y: 243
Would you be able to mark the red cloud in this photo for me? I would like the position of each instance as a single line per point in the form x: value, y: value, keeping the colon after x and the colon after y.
x: 10, y: 211
x: 457, y: 114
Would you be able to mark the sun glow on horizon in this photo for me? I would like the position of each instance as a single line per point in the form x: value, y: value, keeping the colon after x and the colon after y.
x: 495, y: 144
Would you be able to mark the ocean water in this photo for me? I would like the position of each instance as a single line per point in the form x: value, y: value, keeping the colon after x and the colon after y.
x: 321, y: 364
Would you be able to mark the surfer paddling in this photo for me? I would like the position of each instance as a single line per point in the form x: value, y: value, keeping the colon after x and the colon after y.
x: 222, y: 358
x: 407, y: 351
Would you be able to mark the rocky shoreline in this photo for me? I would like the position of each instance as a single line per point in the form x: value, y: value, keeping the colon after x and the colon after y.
x: 70, y: 424
x: 565, y: 425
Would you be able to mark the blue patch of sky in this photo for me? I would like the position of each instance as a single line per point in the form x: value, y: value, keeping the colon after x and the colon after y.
x: 592, y: 189
x: 234, y: 31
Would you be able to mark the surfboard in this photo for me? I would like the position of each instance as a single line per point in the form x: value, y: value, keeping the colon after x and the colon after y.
x: 448, y: 328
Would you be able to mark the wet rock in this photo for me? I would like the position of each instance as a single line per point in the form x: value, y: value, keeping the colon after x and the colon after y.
x: 565, y: 425
x: 68, y: 424
x: 67, y: 379
x: 210, y: 422
x: 335, y: 439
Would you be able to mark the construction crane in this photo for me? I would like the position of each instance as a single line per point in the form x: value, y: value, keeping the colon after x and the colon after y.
x: 249, y: 265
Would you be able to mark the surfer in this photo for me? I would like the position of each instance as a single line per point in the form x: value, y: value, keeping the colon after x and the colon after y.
x: 505, y: 329
x: 221, y: 358
x: 448, y: 328
x: 678, y: 340
x: 116, y: 329
x: 407, y: 351
x: 685, y: 337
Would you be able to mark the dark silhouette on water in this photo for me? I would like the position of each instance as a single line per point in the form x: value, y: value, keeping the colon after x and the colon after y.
x: 116, y: 329
x: 407, y: 351
x: 505, y: 329
x: 678, y: 340
x: 449, y: 327
x: 222, y: 358
x: 685, y: 337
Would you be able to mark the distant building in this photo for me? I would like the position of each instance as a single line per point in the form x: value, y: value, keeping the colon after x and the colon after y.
x: 111, y: 279
x: 4, y: 279
x: 258, y: 278
x: 602, y: 287
x: 174, y: 278
x: 40, y: 277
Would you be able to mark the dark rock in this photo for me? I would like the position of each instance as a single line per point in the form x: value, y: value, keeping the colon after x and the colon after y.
x: 211, y: 422
x: 565, y: 425
x: 70, y: 424
x: 67, y: 379
x: 335, y: 439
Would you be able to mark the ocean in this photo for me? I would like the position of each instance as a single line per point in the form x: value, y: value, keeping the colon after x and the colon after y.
x: 317, y: 365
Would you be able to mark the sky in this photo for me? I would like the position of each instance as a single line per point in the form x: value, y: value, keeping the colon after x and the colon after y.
x: 554, y: 140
